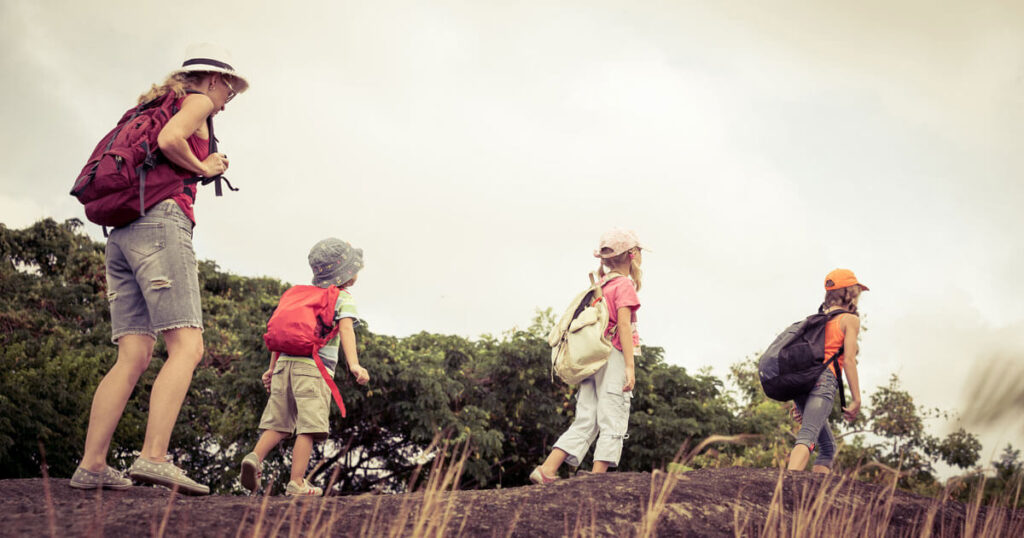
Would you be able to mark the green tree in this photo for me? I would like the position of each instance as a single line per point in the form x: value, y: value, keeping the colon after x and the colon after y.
x: 497, y: 393
x: 53, y: 338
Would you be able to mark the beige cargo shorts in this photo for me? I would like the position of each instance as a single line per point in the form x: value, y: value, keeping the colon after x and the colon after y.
x: 300, y: 401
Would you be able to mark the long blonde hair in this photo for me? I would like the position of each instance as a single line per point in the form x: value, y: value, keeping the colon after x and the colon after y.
x: 635, y: 272
x: 177, y: 83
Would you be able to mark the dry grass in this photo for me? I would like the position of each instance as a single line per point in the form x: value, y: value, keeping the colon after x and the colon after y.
x: 433, y: 514
x: 427, y: 513
x: 831, y: 508
x: 662, y: 483
x: 828, y: 506
x: 51, y: 514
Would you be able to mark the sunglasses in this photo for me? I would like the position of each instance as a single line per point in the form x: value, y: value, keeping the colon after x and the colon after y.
x: 231, y: 91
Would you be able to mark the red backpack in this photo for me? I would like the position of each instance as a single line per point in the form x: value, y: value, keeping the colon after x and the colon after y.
x: 302, y: 324
x: 127, y: 174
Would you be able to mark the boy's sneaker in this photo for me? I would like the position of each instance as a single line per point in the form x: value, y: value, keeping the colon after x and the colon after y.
x: 251, y: 472
x: 165, y: 474
x: 107, y: 478
x: 305, y: 489
x: 538, y: 477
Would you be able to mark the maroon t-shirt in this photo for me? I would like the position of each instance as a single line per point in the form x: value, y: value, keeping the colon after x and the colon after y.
x: 201, y: 149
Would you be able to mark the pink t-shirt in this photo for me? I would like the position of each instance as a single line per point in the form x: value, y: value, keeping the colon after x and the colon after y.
x: 619, y: 292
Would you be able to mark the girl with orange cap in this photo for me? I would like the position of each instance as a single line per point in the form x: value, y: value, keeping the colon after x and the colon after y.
x: 842, y: 291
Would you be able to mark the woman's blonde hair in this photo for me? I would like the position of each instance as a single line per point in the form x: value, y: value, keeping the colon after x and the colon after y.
x: 635, y: 272
x: 843, y: 298
x: 177, y: 83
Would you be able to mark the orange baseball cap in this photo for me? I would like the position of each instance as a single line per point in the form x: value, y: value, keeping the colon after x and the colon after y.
x: 842, y: 278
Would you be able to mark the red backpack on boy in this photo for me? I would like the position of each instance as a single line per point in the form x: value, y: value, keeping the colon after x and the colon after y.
x: 302, y: 324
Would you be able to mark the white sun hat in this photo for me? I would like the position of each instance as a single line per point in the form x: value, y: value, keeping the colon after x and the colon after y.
x: 211, y: 58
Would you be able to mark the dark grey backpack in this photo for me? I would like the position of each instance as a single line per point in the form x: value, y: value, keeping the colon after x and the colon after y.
x: 792, y: 364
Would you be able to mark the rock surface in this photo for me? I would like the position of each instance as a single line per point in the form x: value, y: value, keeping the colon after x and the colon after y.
x: 720, y: 502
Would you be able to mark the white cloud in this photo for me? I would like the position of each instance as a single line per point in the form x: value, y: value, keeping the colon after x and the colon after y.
x: 20, y: 213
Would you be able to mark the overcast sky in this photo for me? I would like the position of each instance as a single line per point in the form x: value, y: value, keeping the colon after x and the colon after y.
x: 477, y: 150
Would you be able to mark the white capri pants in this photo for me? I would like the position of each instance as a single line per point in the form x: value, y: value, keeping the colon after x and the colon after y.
x: 602, y: 412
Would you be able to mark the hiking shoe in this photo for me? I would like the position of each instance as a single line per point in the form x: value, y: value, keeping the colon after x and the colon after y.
x: 305, y: 489
x: 107, y: 478
x: 538, y: 477
x: 165, y: 474
x: 252, y: 470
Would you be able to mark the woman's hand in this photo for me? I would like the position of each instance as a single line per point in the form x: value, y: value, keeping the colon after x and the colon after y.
x: 851, y: 411
x: 630, y: 379
x: 267, y: 378
x: 215, y: 165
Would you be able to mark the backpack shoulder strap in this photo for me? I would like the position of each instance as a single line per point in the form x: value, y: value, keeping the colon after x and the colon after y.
x: 833, y: 313
x: 327, y: 311
x: 834, y: 359
x: 219, y: 178
x: 330, y: 301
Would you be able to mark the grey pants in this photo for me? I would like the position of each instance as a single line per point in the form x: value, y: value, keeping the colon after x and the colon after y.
x: 815, y: 407
x: 602, y: 413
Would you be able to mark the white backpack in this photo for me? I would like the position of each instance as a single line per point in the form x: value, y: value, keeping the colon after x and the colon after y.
x: 579, y: 345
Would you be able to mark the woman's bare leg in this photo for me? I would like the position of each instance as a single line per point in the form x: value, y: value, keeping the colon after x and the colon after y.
x: 133, y: 354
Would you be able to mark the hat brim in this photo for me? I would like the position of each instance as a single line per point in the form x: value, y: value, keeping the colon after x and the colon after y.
x: 597, y: 253
x: 862, y: 286
x: 206, y: 68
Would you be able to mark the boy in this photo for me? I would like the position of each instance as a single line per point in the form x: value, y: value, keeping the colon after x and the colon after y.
x: 300, y: 399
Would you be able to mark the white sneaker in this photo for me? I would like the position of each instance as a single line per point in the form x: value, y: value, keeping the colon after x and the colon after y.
x: 252, y: 471
x: 107, y: 478
x: 305, y: 489
x: 165, y: 474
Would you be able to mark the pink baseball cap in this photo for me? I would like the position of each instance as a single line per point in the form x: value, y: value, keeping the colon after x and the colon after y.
x: 615, y: 242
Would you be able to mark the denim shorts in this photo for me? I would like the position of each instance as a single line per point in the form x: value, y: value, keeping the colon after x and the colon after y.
x: 152, y: 276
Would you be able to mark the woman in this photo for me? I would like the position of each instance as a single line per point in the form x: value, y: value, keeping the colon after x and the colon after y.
x: 153, y: 285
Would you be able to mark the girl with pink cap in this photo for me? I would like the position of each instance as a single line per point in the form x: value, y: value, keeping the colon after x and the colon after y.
x: 602, y: 402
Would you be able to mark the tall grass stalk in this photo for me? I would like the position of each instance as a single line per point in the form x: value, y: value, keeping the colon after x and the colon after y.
x: 662, y: 483
x: 831, y: 508
x: 51, y: 514
x: 434, y: 515
x: 167, y: 513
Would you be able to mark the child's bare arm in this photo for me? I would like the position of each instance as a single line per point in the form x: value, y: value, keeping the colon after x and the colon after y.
x: 270, y: 371
x: 346, y: 330
x: 625, y: 330
x: 851, y: 327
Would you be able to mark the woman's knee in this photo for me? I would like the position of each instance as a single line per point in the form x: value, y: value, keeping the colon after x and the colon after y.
x: 134, y: 351
x: 185, y: 344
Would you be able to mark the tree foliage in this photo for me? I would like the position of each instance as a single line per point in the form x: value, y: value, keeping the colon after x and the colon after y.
x: 496, y: 392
